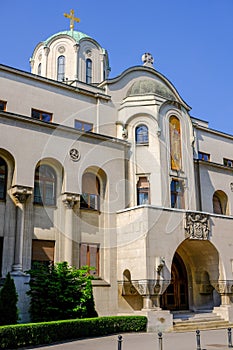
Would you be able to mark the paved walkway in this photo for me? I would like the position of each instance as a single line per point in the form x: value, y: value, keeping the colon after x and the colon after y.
x: 210, y: 340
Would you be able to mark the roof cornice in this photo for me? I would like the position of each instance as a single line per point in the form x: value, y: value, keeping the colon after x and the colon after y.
x: 82, y: 88
x: 61, y: 128
x: 212, y: 131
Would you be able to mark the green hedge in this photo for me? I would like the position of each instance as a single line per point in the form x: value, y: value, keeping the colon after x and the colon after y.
x: 20, y: 335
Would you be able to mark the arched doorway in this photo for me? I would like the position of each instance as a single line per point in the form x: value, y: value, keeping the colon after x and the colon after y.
x: 176, y: 294
x: 194, y: 269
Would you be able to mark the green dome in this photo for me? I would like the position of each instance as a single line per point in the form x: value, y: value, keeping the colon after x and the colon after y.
x: 73, y: 34
x: 145, y: 87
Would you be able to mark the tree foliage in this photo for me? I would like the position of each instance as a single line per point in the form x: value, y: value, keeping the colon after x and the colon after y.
x: 60, y: 292
x: 8, y: 302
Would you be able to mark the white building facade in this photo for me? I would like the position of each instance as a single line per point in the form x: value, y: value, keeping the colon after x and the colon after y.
x: 115, y: 174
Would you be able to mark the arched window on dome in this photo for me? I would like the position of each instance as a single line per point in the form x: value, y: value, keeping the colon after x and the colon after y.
x: 88, y: 71
x: 175, y: 143
x: 220, y: 203
x: 141, y: 134
x: 3, y: 179
x: 45, y: 185
x: 61, y: 68
x: 39, y: 69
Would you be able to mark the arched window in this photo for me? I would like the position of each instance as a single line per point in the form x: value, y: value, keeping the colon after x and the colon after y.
x: 39, y: 69
x: 88, y: 71
x: 220, y: 203
x: 45, y: 185
x: 143, y: 191
x: 3, y: 178
x: 90, y: 192
x: 141, y: 134
x: 61, y: 68
x: 175, y: 143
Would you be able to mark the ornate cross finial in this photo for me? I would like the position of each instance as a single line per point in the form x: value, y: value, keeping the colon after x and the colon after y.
x: 72, y: 19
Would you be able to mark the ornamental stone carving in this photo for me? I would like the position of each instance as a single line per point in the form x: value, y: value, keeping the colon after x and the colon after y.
x: 74, y: 154
x: 70, y: 199
x: 147, y: 59
x: 197, y: 226
x: 21, y: 193
x: 144, y: 287
x: 124, y: 132
x: 223, y: 286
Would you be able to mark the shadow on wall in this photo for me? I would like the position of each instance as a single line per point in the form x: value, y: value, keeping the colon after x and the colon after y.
x: 130, y: 293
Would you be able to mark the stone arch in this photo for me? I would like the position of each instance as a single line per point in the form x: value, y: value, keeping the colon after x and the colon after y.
x: 96, y: 179
x: 11, y: 167
x: 58, y: 169
x: 203, y: 267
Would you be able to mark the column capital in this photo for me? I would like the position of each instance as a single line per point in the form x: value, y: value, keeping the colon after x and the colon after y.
x: 76, y: 47
x: 21, y: 193
x: 70, y: 199
x: 46, y: 50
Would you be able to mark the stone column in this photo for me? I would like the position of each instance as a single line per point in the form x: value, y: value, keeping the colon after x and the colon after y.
x: 46, y: 53
x: 76, y: 68
x: 69, y: 200
x: 20, y: 194
x: 225, y: 289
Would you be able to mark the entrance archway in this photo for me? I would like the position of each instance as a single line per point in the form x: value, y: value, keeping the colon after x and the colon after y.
x: 176, y: 295
x: 194, y: 267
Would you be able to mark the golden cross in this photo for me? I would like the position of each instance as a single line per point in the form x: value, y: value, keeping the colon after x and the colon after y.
x: 72, y: 19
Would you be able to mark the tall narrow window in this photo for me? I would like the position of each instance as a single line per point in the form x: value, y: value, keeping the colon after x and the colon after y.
x: 88, y: 71
x: 39, y: 69
x: 61, y: 68
x: 143, y: 191
x: 89, y: 256
x: 45, y: 185
x: 141, y: 134
x: 175, y: 143
x: 3, y: 178
x: 90, y: 192
x: 177, y: 194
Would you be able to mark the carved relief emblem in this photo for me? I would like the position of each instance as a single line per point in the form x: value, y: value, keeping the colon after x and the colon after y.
x: 197, y: 226
x: 61, y: 49
x: 74, y: 154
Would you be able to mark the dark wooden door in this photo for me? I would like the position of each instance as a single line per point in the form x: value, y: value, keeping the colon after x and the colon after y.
x: 176, y: 295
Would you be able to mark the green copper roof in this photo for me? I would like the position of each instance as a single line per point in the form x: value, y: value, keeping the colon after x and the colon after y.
x: 146, y: 86
x: 73, y: 34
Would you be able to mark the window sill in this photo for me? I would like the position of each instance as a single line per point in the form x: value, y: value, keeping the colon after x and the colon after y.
x: 45, y: 205
x: 100, y: 283
x: 91, y: 210
x: 142, y: 144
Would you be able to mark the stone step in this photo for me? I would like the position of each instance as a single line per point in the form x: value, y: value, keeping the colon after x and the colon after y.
x: 201, y: 321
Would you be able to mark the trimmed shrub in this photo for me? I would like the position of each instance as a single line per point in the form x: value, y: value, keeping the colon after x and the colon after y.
x: 21, y: 335
x: 60, y: 292
x: 8, y: 302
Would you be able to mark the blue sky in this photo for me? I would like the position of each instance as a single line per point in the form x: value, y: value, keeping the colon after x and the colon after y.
x: 191, y: 42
